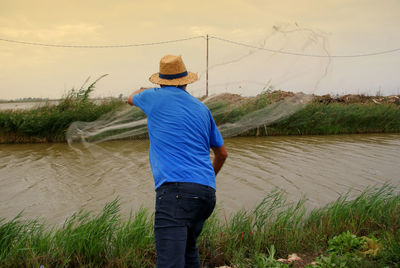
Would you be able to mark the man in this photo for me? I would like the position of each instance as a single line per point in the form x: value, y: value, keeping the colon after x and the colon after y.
x: 181, y: 132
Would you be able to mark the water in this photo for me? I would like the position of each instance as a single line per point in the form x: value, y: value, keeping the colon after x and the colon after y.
x: 52, y: 181
x: 25, y: 105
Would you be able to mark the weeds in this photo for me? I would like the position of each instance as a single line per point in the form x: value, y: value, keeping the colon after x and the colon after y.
x: 343, y: 232
x: 49, y: 123
x: 338, y: 118
x: 348, y: 250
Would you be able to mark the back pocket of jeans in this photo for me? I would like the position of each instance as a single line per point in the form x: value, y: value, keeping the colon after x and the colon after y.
x: 190, y: 207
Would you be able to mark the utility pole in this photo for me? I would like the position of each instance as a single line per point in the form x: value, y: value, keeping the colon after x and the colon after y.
x: 207, y: 67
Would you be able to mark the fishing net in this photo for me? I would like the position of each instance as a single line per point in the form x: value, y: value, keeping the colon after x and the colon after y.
x: 130, y: 123
x: 246, y: 84
x: 126, y: 122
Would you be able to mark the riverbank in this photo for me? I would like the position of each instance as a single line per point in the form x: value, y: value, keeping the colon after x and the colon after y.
x: 321, y: 115
x: 362, y: 232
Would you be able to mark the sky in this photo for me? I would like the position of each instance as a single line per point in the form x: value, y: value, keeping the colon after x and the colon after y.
x: 327, y: 28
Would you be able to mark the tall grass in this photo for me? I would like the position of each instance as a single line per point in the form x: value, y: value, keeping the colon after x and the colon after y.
x: 49, y: 123
x: 315, y: 118
x: 89, y: 240
x: 83, y: 240
x: 338, y: 118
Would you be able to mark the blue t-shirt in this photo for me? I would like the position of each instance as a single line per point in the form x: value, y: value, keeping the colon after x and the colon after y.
x: 181, y: 132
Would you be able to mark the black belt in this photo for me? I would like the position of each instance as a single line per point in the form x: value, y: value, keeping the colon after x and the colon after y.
x: 186, y: 183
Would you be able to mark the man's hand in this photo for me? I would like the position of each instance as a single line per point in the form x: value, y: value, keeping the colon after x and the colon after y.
x: 220, y: 155
x: 136, y: 92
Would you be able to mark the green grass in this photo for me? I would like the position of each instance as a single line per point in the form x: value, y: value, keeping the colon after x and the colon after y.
x: 49, y: 123
x: 274, y: 228
x: 337, y: 118
x: 315, y: 118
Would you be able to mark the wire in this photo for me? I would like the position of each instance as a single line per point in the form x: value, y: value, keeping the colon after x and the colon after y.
x: 101, y: 46
x: 307, y: 55
x: 209, y: 37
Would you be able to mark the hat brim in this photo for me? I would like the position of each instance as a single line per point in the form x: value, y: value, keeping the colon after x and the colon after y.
x: 190, y: 78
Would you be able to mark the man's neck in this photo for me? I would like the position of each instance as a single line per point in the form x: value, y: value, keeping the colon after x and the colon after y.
x: 181, y: 87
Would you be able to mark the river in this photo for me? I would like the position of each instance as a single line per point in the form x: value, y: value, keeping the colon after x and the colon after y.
x: 25, y: 105
x: 52, y: 181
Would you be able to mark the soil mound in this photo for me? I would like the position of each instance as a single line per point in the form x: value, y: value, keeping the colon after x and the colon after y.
x: 350, y: 99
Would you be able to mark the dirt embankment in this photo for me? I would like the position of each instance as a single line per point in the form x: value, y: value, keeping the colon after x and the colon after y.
x: 350, y: 98
x: 279, y: 95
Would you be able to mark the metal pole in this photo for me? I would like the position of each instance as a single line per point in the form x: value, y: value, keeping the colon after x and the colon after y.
x: 207, y: 68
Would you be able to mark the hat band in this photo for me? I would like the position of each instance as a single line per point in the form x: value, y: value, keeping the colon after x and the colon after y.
x: 172, y: 76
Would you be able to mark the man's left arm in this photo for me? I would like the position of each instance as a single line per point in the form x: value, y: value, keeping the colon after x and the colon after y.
x: 134, y: 93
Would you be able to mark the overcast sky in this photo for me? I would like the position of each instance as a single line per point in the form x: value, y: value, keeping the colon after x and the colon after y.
x: 328, y: 27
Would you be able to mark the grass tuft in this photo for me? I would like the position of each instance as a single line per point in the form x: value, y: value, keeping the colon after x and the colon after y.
x: 247, y: 239
x: 50, y: 122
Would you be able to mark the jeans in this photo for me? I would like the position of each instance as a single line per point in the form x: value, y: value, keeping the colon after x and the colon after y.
x: 181, y: 210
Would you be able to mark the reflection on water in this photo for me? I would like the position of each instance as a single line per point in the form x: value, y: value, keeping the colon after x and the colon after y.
x: 53, y: 181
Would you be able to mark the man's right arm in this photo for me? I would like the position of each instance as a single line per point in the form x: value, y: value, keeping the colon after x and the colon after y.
x: 220, y: 154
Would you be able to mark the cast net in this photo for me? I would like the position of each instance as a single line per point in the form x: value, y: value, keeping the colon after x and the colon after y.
x: 251, y: 88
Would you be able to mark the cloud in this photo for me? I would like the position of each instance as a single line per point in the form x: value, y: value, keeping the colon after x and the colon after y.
x: 202, y: 29
x: 56, y: 32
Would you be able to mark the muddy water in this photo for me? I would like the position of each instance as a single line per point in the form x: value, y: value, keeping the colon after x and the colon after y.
x: 52, y: 181
x: 25, y: 105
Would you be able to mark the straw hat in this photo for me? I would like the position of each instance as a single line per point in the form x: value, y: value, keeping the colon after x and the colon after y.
x: 173, y: 72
